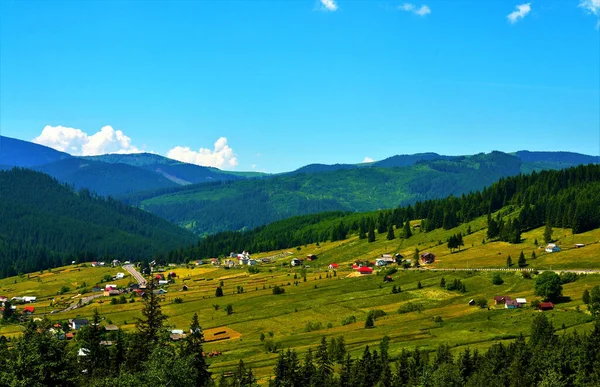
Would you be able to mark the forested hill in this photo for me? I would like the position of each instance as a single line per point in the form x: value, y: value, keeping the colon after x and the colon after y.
x: 250, y: 203
x: 567, y: 198
x: 18, y: 153
x: 46, y: 224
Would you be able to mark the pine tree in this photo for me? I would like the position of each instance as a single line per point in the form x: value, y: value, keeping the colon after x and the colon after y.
x: 371, y: 235
x: 219, y: 292
x: 324, y: 363
x: 192, y: 348
x: 443, y: 283
x: 508, y: 261
x: 548, y: 233
x: 390, y: 234
x: 419, y: 286
x: 369, y: 322
x: 150, y: 327
x: 586, y: 297
x: 407, y: 231
x: 416, y: 258
x: 522, y: 261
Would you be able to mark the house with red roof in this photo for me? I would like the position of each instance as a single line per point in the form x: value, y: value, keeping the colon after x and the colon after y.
x: 427, y: 258
x: 545, y: 306
x: 365, y: 270
x: 500, y: 300
x: 29, y: 309
x: 333, y: 266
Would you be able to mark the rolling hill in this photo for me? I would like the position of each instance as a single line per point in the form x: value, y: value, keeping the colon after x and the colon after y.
x: 46, y: 224
x: 19, y: 153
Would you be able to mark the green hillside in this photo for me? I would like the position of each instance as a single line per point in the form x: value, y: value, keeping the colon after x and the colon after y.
x: 243, y: 205
x: 46, y: 224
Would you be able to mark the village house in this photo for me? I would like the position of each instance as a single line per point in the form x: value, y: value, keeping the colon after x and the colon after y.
x: 552, y: 248
x: 3, y: 298
x: 215, y: 262
x: 311, y: 257
x: 545, y: 306
x: 77, y: 323
x: 163, y: 282
x: 96, y: 289
x: 427, y: 257
x: 111, y: 328
x: 365, y: 270
x: 295, y: 262
x: 29, y: 310
x: 120, y: 276
x: 511, y: 304
x: 160, y: 291
x: 521, y: 301
x: 28, y: 299
x: 252, y: 262
x: 333, y: 266
x: 500, y: 300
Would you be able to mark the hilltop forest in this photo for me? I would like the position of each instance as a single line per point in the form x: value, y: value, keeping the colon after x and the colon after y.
x: 46, y: 224
x: 564, y: 198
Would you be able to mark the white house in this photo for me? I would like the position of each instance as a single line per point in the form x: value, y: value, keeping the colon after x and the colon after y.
x: 380, y: 262
x: 120, y: 276
x: 29, y: 299
x: 521, y: 301
x: 296, y: 262
x: 552, y: 248
x: 163, y: 282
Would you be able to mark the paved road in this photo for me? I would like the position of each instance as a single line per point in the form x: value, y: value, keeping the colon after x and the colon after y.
x: 135, y: 274
x: 84, y: 301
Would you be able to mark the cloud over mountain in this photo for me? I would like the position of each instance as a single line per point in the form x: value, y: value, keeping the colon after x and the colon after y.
x: 221, y: 156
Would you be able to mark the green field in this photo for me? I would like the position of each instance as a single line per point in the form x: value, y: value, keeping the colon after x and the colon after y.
x: 328, y: 299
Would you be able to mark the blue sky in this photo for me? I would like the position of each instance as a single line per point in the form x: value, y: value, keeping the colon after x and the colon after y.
x: 274, y: 85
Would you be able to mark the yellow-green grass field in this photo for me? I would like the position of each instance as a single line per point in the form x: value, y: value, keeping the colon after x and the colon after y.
x: 328, y: 299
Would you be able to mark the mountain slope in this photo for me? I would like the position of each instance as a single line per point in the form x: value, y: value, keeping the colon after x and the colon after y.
x: 103, y: 178
x: 246, y: 204
x: 18, y: 153
x: 176, y: 171
x: 45, y: 224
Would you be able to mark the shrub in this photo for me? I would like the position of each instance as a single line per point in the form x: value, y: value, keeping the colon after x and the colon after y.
x: 113, y: 301
x: 497, y: 280
x: 253, y: 269
x: 278, y: 290
x: 64, y: 289
x: 313, y: 326
x: 438, y: 320
x: 410, y: 307
x: 526, y: 275
x: 457, y: 285
x: 535, y: 304
x: 568, y: 277
x: 271, y: 346
x: 178, y: 300
x: 481, y: 302
x: 349, y: 320
x: 229, y: 309
x: 370, y: 321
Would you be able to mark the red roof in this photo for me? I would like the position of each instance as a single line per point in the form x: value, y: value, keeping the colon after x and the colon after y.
x: 365, y: 270
x: 29, y: 309
x: 334, y: 265
x: 355, y: 266
x: 546, y: 305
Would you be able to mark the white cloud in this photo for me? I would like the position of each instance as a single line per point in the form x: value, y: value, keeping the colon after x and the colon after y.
x: 423, y: 10
x: 79, y: 143
x: 520, y: 13
x: 253, y: 166
x: 368, y: 160
x: 221, y: 156
x: 591, y: 7
x: 328, y: 5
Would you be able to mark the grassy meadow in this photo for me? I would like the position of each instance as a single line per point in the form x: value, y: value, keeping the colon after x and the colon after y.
x: 324, y: 299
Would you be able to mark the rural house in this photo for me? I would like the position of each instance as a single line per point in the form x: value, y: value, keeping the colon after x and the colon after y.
x: 511, y: 304
x: 545, y: 306
x: 521, y: 301
x: 499, y: 300
x: 333, y: 266
x: 552, y: 248
x: 29, y: 310
x: 311, y: 257
x: 427, y: 258
x: 77, y: 323
x: 365, y: 270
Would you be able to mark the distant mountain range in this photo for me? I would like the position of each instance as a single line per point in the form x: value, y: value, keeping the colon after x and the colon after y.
x: 208, y: 200
x: 112, y: 174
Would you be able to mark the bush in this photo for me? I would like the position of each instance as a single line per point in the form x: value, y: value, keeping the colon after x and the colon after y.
x: 535, y: 304
x: 481, y: 302
x: 64, y: 289
x: 113, y: 301
x: 410, y: 307
x: 271, y: 346
x: 526, y: 275
x: 457, y: 285
x: 229, y: 309
x: 376, y: 313
x: 278, y: 290
x: 438, y: 320
x: 313, y: 326
x: 349, y: 320
x: 253, y: 269
x: 390, y: 271
x: 497, y: 280
x: 178, y: 300
x: 219, y: 292
x: 568, y: 277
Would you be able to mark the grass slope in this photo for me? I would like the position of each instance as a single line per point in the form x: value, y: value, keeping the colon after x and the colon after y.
x: 328, y: 300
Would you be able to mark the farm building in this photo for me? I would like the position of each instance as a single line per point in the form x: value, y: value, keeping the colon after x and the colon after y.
x: 521, y: 301
x: 365, y: 270
x: 296, y: 262
x: 499, y: 300
x: 511, y: 304
x: 545, y: 306
x: 29, y: 310
x: 111, y: 327
x: 333, y: 266
x: 29, y: 299
x: 579, y: 245
x: 471, y: 302
x: 311, y: 257
x: 427, y: 258
x: 552, y: 248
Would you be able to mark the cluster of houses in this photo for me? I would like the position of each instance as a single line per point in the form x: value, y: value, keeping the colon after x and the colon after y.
x: 510, y: 303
